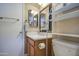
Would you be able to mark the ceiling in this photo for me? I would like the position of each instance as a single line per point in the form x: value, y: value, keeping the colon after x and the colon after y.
x: 38, y: 5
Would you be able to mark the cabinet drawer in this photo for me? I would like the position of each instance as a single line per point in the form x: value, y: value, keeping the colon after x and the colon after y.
x: 31, y: 42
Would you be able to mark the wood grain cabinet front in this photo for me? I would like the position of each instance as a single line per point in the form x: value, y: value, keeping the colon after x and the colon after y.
x: 31, y: 50
x: 40, y: 51
x: 33, y: 47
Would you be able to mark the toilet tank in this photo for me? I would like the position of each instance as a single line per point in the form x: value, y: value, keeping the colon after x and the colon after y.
x: 63, y: 47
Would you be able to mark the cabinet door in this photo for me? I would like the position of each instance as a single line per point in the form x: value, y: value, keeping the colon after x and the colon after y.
x: 49, y: 45
x: 31, y: 50
x: 38, y: 51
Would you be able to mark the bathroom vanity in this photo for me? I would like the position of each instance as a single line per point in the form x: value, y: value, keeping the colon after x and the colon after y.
x: 37, y: 45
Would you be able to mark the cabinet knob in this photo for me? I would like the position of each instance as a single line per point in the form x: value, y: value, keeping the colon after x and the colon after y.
x: 41, y: 45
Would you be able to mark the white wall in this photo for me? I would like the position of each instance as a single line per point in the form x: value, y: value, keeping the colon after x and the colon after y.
x: 9, y: 43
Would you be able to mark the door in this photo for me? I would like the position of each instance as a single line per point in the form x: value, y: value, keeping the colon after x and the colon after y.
x: 11, y: 37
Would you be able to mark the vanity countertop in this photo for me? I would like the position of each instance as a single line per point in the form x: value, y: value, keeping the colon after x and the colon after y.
x: 38, y: 35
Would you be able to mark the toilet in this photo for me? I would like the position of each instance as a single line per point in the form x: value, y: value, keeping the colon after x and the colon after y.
x: 63, y: 47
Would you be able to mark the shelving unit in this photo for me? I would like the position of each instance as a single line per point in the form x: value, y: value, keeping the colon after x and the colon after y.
x: 69, y: 35
x: 67, y: 7
x: 70, y: 15
x: 66, y: 23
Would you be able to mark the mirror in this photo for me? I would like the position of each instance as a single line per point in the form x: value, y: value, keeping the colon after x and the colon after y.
x: 45, y: 19
x: 33, y: 18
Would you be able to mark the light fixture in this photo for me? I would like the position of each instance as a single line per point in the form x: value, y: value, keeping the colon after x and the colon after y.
x: 35, y: 19
x: 34, y: 12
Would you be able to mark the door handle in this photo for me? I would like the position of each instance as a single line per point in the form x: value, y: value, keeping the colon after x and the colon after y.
x: 20, y: 32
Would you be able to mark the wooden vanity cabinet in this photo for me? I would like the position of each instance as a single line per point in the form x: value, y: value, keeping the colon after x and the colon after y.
x: 26, y: 45
x: 34, y: 50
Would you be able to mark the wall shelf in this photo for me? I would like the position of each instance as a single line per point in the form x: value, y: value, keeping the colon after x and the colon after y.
x: 68, y: 35
x: 65, y: 22
x: 67, y: 7
x: 66, y: 16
